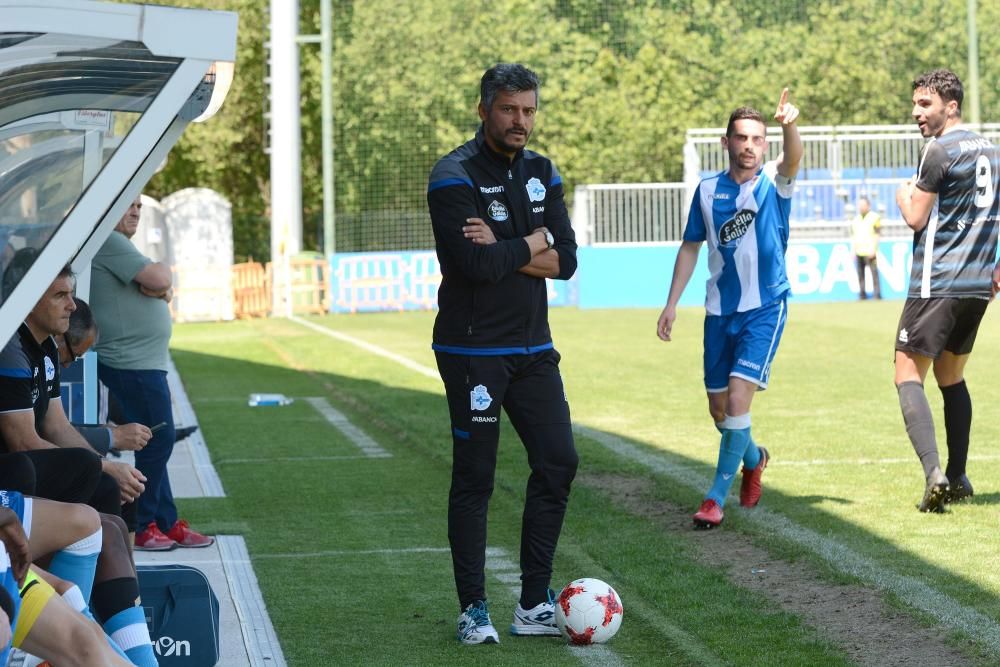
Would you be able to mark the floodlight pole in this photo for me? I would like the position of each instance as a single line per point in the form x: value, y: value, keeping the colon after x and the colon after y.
x: 973, y: 82
x: 325, y: 41
x: 286, y: 170
x: 326, y: 47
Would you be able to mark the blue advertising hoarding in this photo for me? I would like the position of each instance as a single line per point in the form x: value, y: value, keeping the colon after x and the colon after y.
x: 611, y: 277
x: 639, y: 276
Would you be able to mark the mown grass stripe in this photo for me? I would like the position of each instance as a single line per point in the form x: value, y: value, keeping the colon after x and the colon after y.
x: 505, y: 570
x: 596, y: 655
x: 683, y: 640
x: 340, y: 422
x: 337, y: 553
x: 306, y: 459
x: 913, y: 592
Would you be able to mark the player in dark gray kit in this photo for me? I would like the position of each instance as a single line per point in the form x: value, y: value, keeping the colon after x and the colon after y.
x: 501, y: 228
x: 953, y: 209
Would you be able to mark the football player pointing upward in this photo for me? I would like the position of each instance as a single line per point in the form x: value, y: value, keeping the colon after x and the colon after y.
x: 743, y: 215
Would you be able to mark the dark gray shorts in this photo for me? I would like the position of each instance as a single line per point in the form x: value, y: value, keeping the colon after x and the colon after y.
x: 930, y: 326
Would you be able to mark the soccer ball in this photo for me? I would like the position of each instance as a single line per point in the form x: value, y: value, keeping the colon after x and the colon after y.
x: 588, y: 611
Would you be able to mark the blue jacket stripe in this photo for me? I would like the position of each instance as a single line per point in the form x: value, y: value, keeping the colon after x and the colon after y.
x: 447, y: 182
x: 16, y: 373
x: 490, y: 351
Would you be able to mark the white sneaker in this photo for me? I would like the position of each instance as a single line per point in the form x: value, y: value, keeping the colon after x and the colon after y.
x: 539, y: 620
x: 475, y: 626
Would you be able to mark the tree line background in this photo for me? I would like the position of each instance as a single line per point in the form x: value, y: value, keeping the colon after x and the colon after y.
x: 622, y: 81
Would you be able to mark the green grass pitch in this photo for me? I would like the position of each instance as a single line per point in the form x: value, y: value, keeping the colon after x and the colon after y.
x: 351, y: 551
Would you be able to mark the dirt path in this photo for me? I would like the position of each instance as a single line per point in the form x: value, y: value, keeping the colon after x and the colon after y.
x: 852, y: 617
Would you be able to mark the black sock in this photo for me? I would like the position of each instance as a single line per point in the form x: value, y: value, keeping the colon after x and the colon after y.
x: 957, y: 423
x: 112, y: 596
x: 533, y: 598
x: 919, y: 424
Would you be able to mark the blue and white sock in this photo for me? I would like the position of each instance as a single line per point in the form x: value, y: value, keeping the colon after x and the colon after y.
x: 77, y: 563
x: 129, y: 630
x: 752, y: 456
x: 735, y: 441
x: 74, y: 598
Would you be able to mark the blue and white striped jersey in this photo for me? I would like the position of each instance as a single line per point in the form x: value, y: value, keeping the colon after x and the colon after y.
x: 746, y: 227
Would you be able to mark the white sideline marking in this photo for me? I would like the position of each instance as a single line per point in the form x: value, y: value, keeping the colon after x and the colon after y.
x: 870, y: 462
x: 374, y: 349
x: 913, y: 592
x: 597, y: 654
x: 208, y: 478
x: 363, y: 441
x: 259, y: 637
x: 505, y: 570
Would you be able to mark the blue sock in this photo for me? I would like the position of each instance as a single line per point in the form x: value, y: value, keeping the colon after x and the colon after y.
x: 77, y: 563
x: 751, y: 458
x: 128, y: 629
x: 735, y: 439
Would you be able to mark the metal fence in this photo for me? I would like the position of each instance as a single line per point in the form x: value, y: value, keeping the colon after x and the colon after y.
x: 839, y: 165
x: 841, y: 151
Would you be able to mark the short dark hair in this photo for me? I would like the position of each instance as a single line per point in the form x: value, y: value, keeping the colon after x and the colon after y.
x: 944, y: 82
x: 509, y: 77
x: 81, y: 323
x: 744, y: 113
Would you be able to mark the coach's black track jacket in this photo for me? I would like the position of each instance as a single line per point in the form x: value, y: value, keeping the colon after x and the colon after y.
x: 487, y: 307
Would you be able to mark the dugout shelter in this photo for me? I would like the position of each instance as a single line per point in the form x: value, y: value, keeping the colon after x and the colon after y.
x: 93, y: 96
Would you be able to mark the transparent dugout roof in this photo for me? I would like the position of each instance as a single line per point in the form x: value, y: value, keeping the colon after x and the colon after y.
x: 66, y: 104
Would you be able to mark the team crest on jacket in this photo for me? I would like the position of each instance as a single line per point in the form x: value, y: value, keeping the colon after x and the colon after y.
x: 50, y: 370
x: 735, y: 228
x: 498, y: 211
x: 536, y: 191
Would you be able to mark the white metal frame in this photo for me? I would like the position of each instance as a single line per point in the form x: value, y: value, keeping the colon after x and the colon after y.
x: 198, y: 38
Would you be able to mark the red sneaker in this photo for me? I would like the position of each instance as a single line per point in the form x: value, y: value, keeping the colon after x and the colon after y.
x: 153, y: 539
x: 750, y: 486
x: 709, y: 515
x: 185, y: 537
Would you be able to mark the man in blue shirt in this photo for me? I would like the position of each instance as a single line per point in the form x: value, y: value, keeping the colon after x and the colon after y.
x: 743, y: 215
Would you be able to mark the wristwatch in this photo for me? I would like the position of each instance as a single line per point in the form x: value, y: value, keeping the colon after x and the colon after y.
x: 549, y: 239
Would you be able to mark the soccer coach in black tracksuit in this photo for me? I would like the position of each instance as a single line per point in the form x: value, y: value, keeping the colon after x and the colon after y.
x: 501, y: 227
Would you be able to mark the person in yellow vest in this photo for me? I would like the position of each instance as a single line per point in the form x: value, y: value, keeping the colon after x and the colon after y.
x: 865, y: 231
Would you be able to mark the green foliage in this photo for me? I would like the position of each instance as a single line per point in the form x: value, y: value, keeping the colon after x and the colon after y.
x: 622, y: 81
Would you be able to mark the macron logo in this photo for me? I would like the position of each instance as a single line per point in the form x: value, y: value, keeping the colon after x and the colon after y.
x: 167, y: 646
x: 904, y: 337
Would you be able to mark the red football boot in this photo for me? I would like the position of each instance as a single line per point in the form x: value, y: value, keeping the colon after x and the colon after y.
x: 750, y: 486
x: 709, y: 515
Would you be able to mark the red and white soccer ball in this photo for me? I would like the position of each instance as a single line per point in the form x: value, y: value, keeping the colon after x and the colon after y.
x: 588, y: 611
